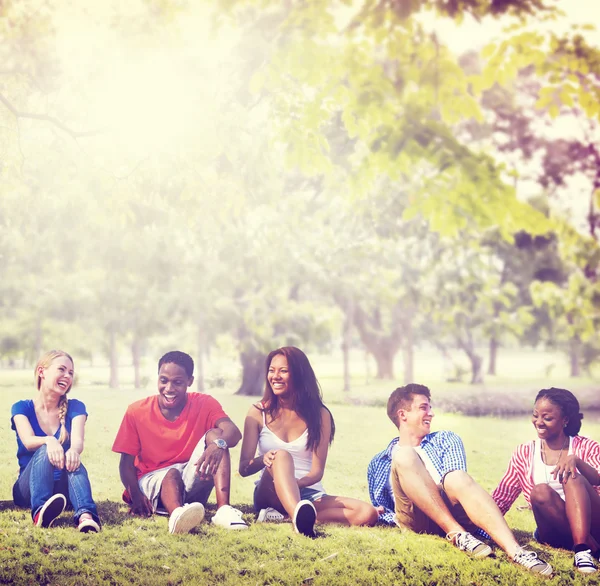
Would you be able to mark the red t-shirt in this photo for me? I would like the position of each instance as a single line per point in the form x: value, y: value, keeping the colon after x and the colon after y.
x: 157, y: 442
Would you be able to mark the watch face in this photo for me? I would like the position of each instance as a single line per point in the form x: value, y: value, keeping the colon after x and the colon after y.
x: 221, y: 443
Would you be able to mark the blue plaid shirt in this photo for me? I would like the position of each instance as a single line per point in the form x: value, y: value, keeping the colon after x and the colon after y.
x: 445, y: 450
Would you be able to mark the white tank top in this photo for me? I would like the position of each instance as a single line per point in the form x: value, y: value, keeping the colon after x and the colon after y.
x: 542, y: 473
x: 301, y: 456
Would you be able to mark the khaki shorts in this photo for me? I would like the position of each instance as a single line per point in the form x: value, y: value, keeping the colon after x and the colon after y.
x: 409, y: 516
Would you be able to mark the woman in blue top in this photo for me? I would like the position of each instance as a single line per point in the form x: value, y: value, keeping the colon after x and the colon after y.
x: 50, y: 431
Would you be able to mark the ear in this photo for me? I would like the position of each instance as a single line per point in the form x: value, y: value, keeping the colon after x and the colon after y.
x: 40, y: 371
x: 190, y: 381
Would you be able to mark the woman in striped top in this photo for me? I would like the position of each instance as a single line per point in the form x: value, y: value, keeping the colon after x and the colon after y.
x: 558, y: 474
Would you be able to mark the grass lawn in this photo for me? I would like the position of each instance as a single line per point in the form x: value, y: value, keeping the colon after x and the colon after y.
x: 140, y: 551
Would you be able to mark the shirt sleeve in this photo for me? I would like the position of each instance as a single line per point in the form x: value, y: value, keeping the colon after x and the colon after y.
x: 128, y: 439
x: 509, y: 487
x: 215, y: 411
x: 454, y: 453
x: 75, y: 408
x: 591, y: 453
x: 376, y: 480
x: 19, y: 408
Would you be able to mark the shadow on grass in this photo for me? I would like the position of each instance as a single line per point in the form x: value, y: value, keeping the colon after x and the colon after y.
x: 6, y: 505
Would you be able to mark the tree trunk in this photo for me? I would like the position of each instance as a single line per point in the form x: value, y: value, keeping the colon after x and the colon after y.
x: 476, y: 368
x: 476, y: 361
x: 200, y: 360
x: 135, y: 355
x: 408, y: 354
x: 346, y: 342
x: 113, y: 359
x: 493, y: 354
x: 253, y: 373
x: 575, y: 356
x: 384, y: 358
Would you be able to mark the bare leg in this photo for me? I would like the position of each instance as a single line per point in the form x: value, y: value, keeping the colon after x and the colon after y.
x: 345, y: 510
x: 171, y: 490
x: 222, y: 480
x: 480, y: 508
x: 581, y: 502
x: 420, y: 488
x: 550, y: 516
x: 278, y: 487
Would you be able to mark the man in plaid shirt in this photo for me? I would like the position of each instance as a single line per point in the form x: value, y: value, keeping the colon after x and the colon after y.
x: 420, y: 483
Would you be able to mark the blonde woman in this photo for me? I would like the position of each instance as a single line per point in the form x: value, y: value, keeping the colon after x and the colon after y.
x: 50, y: 432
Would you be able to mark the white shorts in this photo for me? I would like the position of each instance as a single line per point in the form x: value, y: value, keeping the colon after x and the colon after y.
x: 196, y: 490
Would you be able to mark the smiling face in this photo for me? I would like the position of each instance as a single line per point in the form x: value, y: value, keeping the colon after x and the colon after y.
x: 417, y: 418
x: 58, y: 377
x: 548, y: 420
x: 279, y: 377
x: 173, y: 383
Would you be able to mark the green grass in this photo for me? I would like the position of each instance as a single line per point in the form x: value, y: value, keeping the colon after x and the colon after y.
x: 140, y: 551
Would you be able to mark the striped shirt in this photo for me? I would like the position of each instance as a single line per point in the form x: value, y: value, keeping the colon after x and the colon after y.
x: 519, y: 476
x: 445, y: 450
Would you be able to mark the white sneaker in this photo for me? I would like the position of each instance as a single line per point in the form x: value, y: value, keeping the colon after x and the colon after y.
x: 466, y: 542
x: 304, y: 519
x: 184, y: 519
x: 230, y: 518
x: 269, y: 515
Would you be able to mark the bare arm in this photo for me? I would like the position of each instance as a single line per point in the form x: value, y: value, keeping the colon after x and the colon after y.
x: 250, y: 463
x: 140, y: 505
x: 32, y: 442
x: 319, y: 457
x: 72, y: 455
x: 225, y: 429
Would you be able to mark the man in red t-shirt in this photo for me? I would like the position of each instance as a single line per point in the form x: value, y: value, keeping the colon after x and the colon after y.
x: 174, y: 449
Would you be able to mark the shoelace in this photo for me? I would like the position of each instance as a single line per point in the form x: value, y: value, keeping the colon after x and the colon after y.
x: 584, y: 559
x: 465, y: 541
x: 529, y: 559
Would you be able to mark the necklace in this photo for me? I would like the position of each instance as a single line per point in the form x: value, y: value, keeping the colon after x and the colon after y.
x: 545, y: 459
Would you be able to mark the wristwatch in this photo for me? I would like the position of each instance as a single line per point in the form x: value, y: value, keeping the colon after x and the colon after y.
x: 221, y: 443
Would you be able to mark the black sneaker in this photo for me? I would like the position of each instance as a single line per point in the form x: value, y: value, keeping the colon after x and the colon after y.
x: 304, y: 519
x: 51, y: 509
x: 584, y: 562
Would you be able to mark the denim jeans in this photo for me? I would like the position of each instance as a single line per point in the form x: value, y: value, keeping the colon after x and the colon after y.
x: 36, y: 484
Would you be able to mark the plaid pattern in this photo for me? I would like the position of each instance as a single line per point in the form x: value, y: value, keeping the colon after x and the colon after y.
x: 446, y: 452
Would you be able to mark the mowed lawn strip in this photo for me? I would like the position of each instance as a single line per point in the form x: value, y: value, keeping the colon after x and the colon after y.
x: 131, y: 550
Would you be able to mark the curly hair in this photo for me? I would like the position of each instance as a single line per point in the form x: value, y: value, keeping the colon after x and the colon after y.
x: 63, y: 404
x: 568, y: 404
x: 307, y: 398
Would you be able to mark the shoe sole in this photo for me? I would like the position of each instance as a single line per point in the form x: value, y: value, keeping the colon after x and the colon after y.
x: 482, y: 553
x: 52, y: 508
x: 89, y: 526
x: 304, y: 519
x: 586, y: 570
x: 190, y: 518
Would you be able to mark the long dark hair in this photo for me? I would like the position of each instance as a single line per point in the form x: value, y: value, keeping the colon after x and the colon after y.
x: 567, y: 402
x: 306, y: 397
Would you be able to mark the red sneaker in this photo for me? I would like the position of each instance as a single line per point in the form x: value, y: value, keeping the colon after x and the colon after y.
x: 51, y: 509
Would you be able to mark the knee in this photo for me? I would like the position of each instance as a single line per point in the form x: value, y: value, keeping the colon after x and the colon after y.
x: 366, y: 515
x: 457, y: 480
x: 405, y: 458
x: 282, y: 457
x: 541, y: 495
x: 172, y: 475
x: 41, y: 454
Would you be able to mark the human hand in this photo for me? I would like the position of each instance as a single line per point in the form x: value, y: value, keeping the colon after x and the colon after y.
x: 269, y: 458
x: 140, y: 505
x: 566, y: 468
x: 55, y: 451
x: 72, y: 459
x: 380, y: 510
x: 208, y: 463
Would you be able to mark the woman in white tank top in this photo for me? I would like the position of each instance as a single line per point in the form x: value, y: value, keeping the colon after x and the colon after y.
x: 286, y: 438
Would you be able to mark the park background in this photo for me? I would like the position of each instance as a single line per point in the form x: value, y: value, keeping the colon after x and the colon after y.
x: 409, y: 190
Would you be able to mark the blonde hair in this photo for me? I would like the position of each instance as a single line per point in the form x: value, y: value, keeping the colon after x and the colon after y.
x: 63, y: 404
